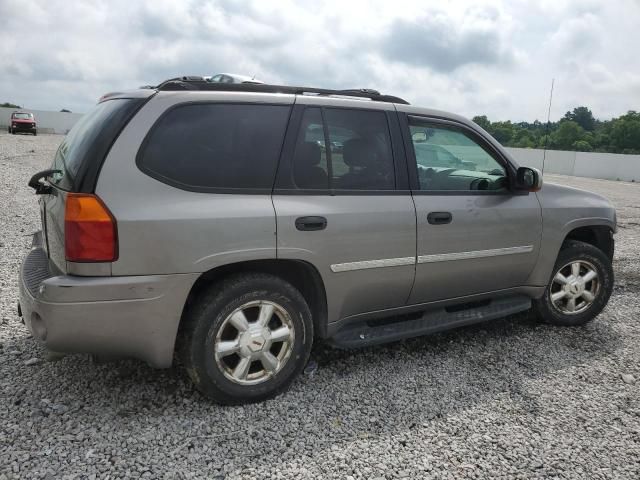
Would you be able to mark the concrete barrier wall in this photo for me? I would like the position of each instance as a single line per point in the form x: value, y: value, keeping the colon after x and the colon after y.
x: 609, y: 166
x: 47, y: 122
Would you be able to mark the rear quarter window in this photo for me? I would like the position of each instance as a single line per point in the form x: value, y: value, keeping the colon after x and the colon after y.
x: 216, y: 147
x: 80, y: 155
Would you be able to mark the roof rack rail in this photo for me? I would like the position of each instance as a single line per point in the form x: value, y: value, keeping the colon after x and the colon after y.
x: 198, y: 83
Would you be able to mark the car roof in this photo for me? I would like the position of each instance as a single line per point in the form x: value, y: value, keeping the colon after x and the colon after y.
x: 187, y: 84
x: 199, y: 84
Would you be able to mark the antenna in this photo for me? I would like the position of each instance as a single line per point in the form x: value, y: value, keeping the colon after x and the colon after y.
x: 546, y: 136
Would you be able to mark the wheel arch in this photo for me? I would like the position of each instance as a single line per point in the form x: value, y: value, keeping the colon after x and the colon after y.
x: 600, y: 236
x: 302, y: 275
x: 594, y: 231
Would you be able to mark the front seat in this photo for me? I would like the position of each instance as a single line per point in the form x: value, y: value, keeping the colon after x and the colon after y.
x: 306, y: 172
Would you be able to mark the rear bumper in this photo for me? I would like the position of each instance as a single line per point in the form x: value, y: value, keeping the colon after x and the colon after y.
x: 134, y: 316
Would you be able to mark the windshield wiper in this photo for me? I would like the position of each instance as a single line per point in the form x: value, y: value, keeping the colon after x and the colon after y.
x: 40, y: 187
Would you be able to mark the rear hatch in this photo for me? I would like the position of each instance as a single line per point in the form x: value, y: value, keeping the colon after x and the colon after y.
x: 79, y: 159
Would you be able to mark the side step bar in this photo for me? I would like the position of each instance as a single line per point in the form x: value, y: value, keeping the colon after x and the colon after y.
x: 375, y: 332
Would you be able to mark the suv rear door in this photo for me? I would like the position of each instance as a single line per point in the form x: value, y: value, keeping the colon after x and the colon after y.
x: 475, y: 234
x: 342, y: 203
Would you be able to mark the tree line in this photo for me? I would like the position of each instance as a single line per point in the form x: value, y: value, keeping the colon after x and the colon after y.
x: 578, y: 130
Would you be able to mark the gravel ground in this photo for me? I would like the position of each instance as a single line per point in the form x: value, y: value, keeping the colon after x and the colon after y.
x: 507, y: 399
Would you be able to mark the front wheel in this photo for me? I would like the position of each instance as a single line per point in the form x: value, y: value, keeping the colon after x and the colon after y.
x: 246, y: 339
x: 580, y: 287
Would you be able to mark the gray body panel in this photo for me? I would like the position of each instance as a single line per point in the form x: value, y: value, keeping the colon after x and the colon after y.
x: 377, y: 256
x: 53, y: 214
x: 172, y: 230
x: 359, y: 228
x: 492, y: 243
x: 135, y: 316
x: 564, y: 209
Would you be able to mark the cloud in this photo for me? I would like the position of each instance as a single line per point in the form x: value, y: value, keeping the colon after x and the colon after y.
x: 493, y: 57
x: 444, y: 43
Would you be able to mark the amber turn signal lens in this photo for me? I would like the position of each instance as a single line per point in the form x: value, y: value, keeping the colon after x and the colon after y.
x: 90, y: 231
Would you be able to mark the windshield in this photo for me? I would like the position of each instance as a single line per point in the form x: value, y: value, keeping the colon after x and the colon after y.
x: 23, y: 115
x: 93, y: 130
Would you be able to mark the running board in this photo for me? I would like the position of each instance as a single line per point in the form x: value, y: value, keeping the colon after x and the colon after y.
x: 375, y: 332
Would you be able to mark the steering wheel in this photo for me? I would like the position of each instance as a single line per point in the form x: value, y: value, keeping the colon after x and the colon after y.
x: 479, y: 184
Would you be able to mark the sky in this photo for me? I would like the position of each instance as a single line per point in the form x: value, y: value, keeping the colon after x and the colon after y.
x: 472, y: 57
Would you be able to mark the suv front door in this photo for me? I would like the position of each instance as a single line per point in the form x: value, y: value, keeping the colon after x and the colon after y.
x: 475, y: 234
x: 343, y: 205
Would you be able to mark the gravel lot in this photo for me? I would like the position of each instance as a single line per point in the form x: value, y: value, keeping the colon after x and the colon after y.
x: 507, y: 399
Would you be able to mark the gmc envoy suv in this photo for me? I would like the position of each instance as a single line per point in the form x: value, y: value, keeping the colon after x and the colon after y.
x: 231, y: 226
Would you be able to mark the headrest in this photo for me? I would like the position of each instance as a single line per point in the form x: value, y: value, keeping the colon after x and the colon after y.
x: 308, y: 153
x: 357, y: 152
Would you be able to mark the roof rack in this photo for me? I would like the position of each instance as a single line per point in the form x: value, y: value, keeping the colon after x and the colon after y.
x: 198, y: 83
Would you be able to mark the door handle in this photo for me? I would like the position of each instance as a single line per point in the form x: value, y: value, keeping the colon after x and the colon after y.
x: 439, y: 218
x: 310, y: 224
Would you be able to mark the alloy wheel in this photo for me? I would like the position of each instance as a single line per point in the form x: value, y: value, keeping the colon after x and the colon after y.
x: 254, y: 342
x: 574, y: 287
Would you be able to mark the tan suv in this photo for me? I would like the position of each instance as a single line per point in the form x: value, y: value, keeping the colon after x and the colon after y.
x: 233, y: 225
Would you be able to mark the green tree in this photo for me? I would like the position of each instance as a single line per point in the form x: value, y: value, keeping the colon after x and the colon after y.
x: 501, y: 131
x: 583, y: 117
x: 625, y: 133
x: 582, y: 146
x: 544, y: 141
x: 9, y: 105
x: 482, y: 121
x: 522, y: 138
x: 567, y: 133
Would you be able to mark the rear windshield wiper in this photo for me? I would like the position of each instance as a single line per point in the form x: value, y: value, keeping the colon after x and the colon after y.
x: 37, y: 185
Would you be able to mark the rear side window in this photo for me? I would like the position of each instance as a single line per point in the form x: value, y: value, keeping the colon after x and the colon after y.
x: 216, y: 147
x: 343, y: 149
x: 81, y: 153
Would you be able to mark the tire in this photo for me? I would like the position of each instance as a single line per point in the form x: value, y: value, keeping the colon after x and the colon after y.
x: 35, y: 133
x: 207, y: 325
x: 589, y: 298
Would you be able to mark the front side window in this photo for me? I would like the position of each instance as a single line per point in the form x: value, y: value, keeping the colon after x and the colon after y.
x: 449, y: 159
x: 343, y: 149
x: 216, y: 146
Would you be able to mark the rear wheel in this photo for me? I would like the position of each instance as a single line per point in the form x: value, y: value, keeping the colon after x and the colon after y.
x: 246, y: 339
x: 580, y: 287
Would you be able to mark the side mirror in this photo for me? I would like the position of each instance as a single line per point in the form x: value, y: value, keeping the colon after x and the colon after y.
x: 419, y: 137
x: 529, y: 179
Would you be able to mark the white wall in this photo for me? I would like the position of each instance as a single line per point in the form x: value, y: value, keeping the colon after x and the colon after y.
x: 47, y: 122
x: 609, y: 166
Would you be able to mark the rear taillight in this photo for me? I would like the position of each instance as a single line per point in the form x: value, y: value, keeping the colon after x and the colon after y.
x: 90, y: 231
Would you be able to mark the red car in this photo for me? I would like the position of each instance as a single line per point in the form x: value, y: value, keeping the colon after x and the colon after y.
x: 23, y: 122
